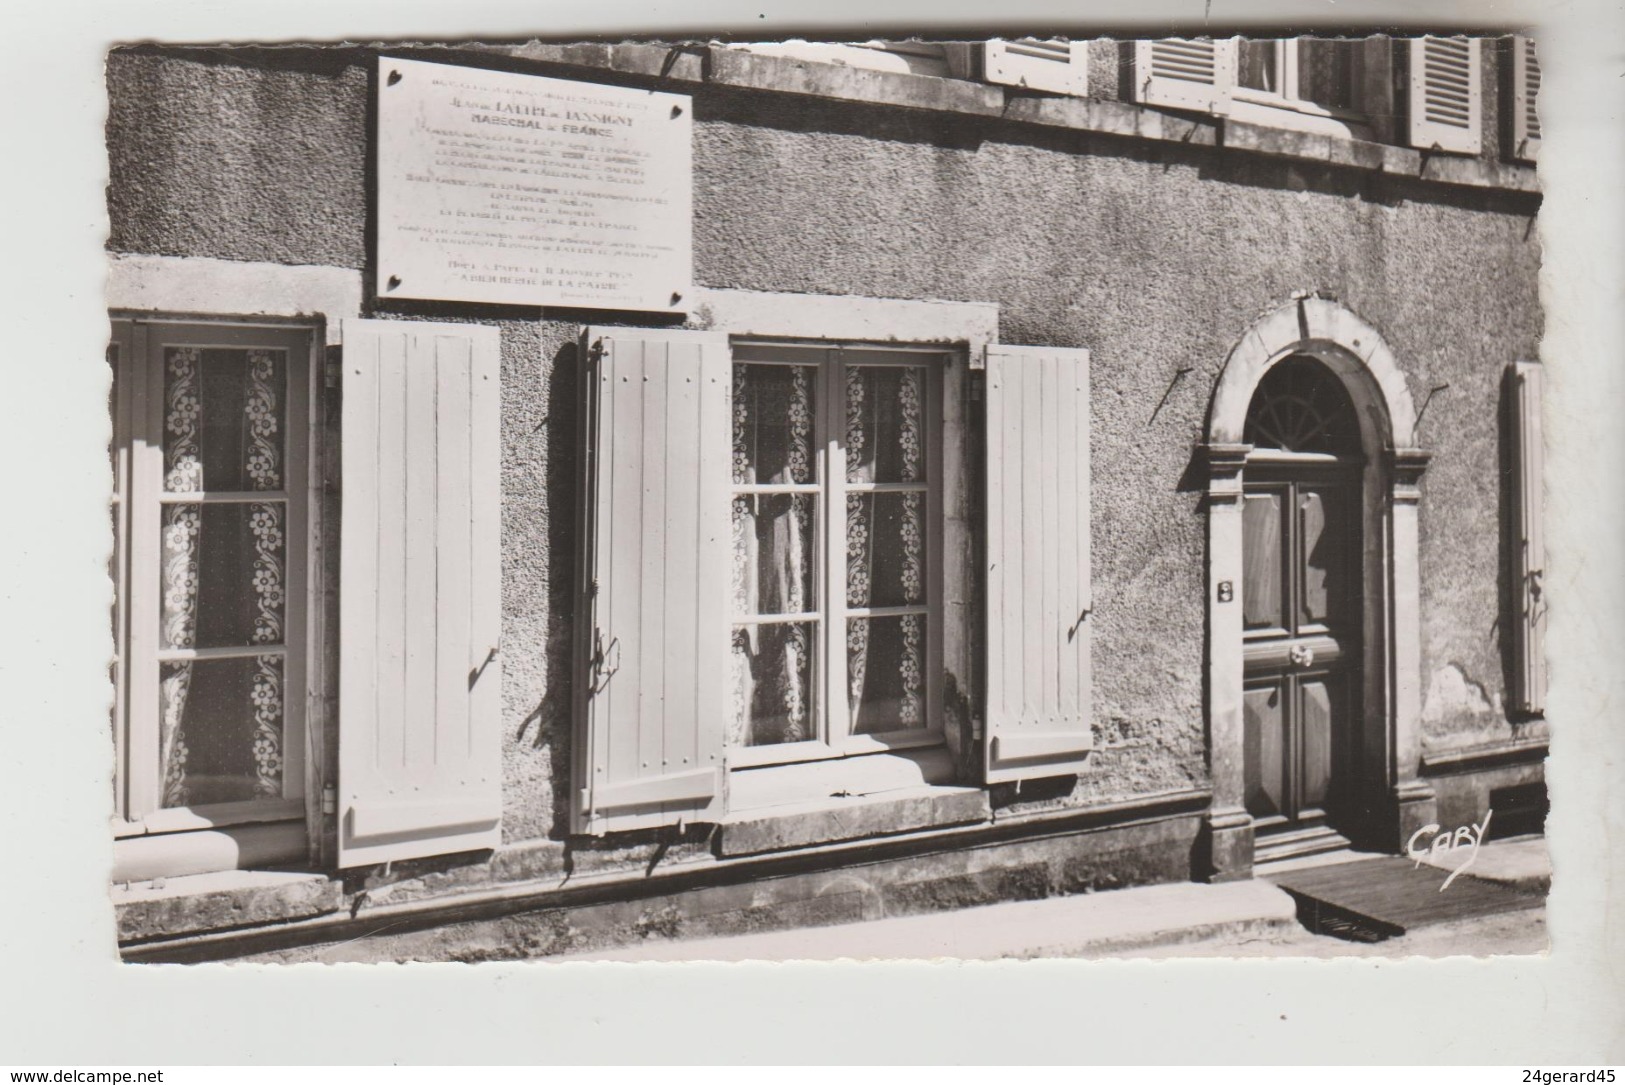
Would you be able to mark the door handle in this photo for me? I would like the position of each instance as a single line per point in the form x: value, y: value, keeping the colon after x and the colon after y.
x: 1301, y: 655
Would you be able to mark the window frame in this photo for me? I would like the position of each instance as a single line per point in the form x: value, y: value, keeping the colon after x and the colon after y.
x: 835, y: 738
x: 136, y: 403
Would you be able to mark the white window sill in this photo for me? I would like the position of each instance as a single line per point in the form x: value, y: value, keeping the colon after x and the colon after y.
x: 835, y: 818
x: 1273, y: 112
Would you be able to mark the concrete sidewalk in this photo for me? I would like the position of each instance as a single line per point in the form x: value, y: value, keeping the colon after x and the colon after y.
x: 1236, y: 918
x: 1086, y: 925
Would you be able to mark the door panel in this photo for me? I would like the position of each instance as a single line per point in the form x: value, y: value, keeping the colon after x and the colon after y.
x: 1266, y: 749
x: 1327, y: 548
x: 1315, y: 717
x: 1261, y: 585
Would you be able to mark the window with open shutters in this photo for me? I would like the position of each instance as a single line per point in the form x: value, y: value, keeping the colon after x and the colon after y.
x: 762, y: 575
x: 211, y: 518
x: 1332, y: 86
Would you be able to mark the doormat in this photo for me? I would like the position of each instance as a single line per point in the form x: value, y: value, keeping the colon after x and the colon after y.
x: 1374, y: 899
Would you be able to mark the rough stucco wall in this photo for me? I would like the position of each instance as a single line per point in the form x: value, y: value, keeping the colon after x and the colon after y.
x: 239, y: 163
x: 1155, y: 257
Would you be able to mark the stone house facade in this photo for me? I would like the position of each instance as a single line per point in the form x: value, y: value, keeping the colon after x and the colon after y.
x: 1071, y: 466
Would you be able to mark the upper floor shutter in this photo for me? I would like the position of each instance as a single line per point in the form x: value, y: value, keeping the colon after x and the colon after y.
x: 1185, y: 73
x: 1524, y: 381
x: 1053, y: 65
x: 1447, y: 98
x: 1038, y: 595
x: 652, y: 642
x: 1525, y: 96
x: 419, y: 613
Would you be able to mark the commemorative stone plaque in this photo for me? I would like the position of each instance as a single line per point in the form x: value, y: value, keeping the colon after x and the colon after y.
x: 524, y: 190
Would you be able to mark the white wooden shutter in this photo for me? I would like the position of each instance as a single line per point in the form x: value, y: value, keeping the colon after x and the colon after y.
x: 652, y: 654
x: 1052, y: 65
x: 1525, y: 98
x: 1447, y: 94
x: 420, y: 695
x: 1185, y: 73
x: 1038, y: 596
x: 1528, y: 539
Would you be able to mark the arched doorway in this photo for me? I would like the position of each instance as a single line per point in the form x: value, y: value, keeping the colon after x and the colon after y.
x: 1302, y: 604
x: 1313, y: 593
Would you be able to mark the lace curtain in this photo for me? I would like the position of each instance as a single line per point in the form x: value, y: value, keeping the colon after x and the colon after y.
x: 222, y: 577
x: 882, y: 424
x: 773, y: 697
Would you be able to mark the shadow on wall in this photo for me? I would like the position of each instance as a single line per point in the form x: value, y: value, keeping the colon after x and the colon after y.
x: 548, y: 724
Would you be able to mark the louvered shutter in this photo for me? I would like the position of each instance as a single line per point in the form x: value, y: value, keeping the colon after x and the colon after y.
x: 420, y: 695
x: 1185, y: 73
x: 1447, y: 100
x: 1529, y: 542
x: 652, y: 650
x: 1052, y: 65
x: 1525, y: 97
x: 1038, y: 596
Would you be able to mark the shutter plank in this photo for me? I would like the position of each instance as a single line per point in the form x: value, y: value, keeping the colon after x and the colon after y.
x: 421, y: 522
x: 419, y: 748
x: 389, y: 496
x: 660, y: 553
x: 453, y: 557
x: 485, y: 564
x: 1038, y: 716
x: 650, y: 632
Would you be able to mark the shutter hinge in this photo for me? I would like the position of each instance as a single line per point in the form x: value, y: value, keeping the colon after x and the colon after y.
x: 330, y: 369
x: 330, y: 798
x: 585, y: 801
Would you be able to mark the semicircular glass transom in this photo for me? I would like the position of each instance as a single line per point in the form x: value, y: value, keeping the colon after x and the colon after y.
x: 1301, y: 406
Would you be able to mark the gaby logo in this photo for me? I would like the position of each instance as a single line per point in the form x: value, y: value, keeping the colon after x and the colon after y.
x: 1468, y: 836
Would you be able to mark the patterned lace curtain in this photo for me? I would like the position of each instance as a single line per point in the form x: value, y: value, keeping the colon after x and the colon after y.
x: 773, y: 699
x: 885, y: 546
x: 222, y: 576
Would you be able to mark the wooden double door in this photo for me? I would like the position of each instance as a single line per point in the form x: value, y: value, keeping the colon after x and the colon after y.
x: 1301, y: 655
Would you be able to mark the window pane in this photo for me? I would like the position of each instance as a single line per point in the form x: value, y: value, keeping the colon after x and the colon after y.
x: 221, y: 730
x: 773, y: 695
x: 885, y: 423
x: 223, y: 419
x: 773, y: 553
x: 773, y: 418
x: 885, y: 673
x: 885, y: 549
x: 1257, y: 66
x: 222, y: 575
x: 1326, y: 72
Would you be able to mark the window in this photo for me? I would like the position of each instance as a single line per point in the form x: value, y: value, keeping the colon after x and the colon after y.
x: 219, y: 613
x: 834, y: 498
x: 210, y: 460
x: 1318, y: 79
x: 1329, y: 86
x: 1046, y: 64
x: 782, y: 560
